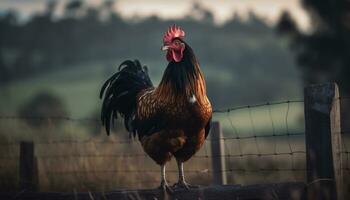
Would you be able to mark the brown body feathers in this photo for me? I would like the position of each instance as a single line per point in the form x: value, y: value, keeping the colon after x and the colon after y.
x: 172, y: 119
x: 184, y: 109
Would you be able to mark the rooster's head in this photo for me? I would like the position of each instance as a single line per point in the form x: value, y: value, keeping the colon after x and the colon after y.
x: 173, y: 43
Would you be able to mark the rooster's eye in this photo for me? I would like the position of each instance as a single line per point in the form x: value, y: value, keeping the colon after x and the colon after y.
x: 177, y: 42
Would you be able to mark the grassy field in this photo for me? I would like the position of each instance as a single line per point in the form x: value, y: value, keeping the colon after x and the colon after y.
x: 77, y: 154
x: 102, y: 165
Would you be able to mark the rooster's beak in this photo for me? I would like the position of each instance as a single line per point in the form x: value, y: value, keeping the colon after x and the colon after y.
x: 164, y: 48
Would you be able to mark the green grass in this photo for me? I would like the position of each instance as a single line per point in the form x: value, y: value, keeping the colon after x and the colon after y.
x: 78, y: 86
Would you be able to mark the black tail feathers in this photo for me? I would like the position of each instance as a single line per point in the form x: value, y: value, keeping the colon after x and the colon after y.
x: 119, y: 94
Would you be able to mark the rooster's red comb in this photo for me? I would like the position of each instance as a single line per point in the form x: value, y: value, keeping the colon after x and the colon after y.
x: 173, y: 32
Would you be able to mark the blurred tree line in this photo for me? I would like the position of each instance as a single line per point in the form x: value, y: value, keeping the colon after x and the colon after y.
x: 323, y: 54
x: 242, y: 58
x: 99, y: 33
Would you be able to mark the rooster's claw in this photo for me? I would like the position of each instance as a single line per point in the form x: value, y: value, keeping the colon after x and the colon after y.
x: 183, y: 184
x: 166, y: 188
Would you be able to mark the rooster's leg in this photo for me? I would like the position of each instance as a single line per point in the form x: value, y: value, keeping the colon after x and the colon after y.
x: 164, y: 184
x: 182, y: 183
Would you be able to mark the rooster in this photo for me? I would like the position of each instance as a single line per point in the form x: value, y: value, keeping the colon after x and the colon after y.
x: 171, y: 120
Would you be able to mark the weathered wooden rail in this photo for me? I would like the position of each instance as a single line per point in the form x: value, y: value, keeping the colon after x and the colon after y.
x: 292, y: 191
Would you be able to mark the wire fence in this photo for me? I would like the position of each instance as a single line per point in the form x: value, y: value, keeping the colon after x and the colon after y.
x: 263, y: 143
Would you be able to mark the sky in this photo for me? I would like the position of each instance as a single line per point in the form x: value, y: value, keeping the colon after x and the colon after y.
x: 223, y: 9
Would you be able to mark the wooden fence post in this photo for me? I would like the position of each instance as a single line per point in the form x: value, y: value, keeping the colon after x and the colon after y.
x: 323, y: 142
x: 27, y: 167
x: 218, y: 152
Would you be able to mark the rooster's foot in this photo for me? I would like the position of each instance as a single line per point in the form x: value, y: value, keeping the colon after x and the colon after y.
x: 183, y: 184
x: 165, y: 188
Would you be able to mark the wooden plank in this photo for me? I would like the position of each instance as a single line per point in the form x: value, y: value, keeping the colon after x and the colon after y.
x: 218, y: 148
x: 27, y: 167
x: 323, y: 145
x: 292, y: 191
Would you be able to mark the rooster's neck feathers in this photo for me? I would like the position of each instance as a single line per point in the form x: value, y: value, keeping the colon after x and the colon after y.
x: 183, y: 79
